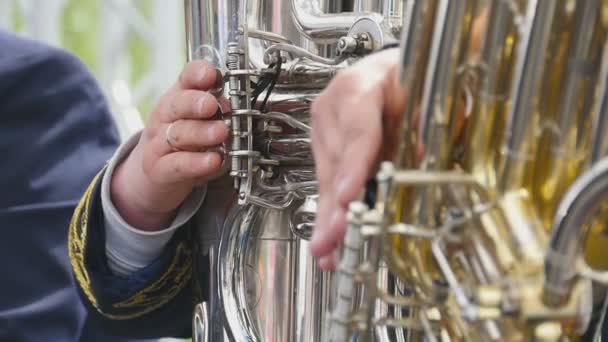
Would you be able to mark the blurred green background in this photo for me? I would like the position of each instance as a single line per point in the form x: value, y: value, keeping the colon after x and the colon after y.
x: 80, y: 32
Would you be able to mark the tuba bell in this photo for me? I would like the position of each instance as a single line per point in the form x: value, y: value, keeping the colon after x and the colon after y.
x: 276, y: 57
x: 492, y: 211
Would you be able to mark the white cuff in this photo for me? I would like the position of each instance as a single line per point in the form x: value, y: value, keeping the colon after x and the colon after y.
x: 129, y: 249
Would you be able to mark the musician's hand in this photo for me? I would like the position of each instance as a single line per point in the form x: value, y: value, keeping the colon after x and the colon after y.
x: 350, y: 119
x: 175, y: 152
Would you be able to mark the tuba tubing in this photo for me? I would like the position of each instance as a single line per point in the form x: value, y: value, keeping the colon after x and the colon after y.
x: 319, y: 26
x: 569, y: 232
x: 276, y: 57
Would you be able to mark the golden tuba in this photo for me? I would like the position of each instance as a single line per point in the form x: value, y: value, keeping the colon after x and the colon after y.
x: 492, y: 212
x: 276, y: 57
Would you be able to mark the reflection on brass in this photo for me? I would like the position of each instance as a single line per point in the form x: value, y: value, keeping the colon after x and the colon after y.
x: 495, y: 202
x: 548, y: 332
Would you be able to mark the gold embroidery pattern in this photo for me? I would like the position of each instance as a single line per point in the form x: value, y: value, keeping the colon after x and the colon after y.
x: 77, y: 237
x: 175, y: 278
x: 169, y: 284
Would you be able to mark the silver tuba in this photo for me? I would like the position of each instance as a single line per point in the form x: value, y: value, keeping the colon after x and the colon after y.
x: 276, y: 57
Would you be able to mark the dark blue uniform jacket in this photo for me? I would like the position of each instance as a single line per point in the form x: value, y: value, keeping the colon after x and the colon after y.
x: 56, y: 133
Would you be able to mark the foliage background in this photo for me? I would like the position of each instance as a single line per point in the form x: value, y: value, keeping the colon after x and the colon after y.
x: 80, y: 34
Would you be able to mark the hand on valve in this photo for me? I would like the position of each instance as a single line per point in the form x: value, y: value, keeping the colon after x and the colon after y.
x: 177, y: 150
x: 353, y: 124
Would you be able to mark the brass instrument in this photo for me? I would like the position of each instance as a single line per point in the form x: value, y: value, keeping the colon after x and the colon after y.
x: 492, y: 210
x: 276, y: 57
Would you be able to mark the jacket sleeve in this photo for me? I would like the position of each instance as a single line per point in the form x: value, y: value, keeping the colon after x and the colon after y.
x: 156, y: 301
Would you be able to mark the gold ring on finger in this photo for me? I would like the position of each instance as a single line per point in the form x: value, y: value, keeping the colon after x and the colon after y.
x: 168, y: 138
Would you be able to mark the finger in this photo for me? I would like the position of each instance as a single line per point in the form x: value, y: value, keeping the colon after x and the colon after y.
x: 330, y: 232
x: 224, y: 105
x: 326, y: 205
x: 325, y: 126
x: 364, y: 134
x: 192, y: 104
x: 361, y: 127
x: 325, y: 141
x: 324, y: 168
x: 224, y: 168
x: 328, y: 262
x: 194, y: 135
x: 200, y: 74
x: 187, y: 166
x: 324, y: 172
x: 322, y: 218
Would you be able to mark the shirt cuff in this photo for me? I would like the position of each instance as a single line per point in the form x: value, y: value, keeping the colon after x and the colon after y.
x: 129, y: 249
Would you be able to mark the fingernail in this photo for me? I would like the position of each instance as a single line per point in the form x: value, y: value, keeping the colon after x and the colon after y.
x: 328, y: 262
x: 219, y: 107
x: 324, y: 262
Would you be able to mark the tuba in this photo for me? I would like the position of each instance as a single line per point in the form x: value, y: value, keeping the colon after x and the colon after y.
x: 492, y: 212
x: 276, y: 57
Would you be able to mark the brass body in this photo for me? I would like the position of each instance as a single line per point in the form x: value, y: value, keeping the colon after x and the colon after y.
x: 502, y: 100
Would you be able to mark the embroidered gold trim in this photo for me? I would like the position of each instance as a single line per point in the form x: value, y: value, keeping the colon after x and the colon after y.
x: 77, y: 238
x: 173, y: 280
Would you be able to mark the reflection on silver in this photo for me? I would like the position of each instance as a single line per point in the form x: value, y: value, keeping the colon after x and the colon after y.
x: 207, y: 30
x: 256, y: 295
x: 200, y: 323
x: 318, y: 26
x: 265, y: 285
x: 599, y: 144
x: 569, y: 231
x: 297, y: 52
x: 304, y: 217
x: 312, y: 296
x: 290, y: 150
x: 271, y: 18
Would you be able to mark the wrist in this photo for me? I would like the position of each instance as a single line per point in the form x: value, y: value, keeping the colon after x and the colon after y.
x: 395, y: 98
x: 395, y: 95
x: 130, y: 193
